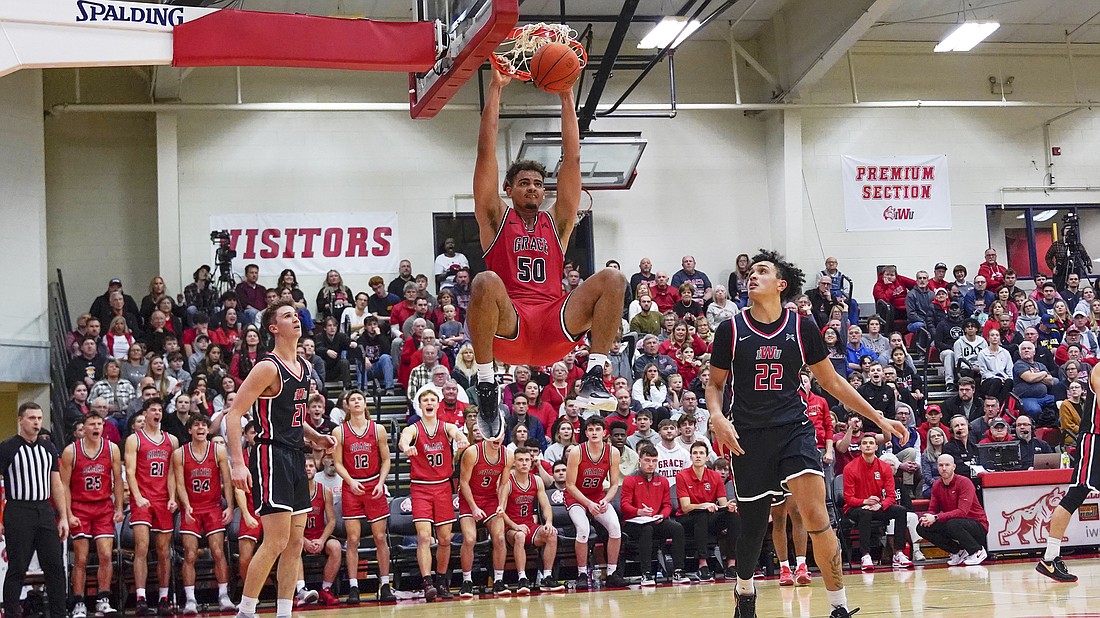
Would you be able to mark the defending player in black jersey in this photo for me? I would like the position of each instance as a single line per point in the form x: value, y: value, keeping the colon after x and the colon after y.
x: 278, y: 386
x: 774, y: 443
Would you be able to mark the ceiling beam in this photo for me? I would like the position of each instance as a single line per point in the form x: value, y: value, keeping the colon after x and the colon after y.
x: 813, y: 40
x: 599, y: 82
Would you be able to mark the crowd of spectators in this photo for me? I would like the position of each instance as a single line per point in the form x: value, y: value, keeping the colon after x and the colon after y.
x: 1015, y: 361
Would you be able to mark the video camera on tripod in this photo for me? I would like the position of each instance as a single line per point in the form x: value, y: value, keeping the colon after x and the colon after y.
x: 1067, y: 255
x: 223, y: 255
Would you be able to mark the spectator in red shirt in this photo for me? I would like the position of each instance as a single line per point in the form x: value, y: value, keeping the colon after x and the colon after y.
x: 703, y: 507
x: 933, y: 418
x: 646, y: 506
x: 993, y: 272
x: 869, y: 496
x: 955, y: 521
x: 818, y: 411
x: 663, y: 294
x: 890, y: 293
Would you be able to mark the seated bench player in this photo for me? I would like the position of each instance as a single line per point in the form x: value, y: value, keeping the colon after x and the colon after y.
x: 588, y: 467
x: 317, y: 540
x: 205, y: 497
x: 519, y: 494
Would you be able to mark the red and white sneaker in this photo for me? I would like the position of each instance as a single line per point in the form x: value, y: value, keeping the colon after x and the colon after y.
x: 786, y: 578
x: 802, y: 575
x: 868, y: 563
x: 901, y: 561
x: 325, y: 597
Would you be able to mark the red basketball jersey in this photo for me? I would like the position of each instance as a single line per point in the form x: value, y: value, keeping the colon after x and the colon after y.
x: 522, y: 501
x: 152, y: 466
x: 485, y: 477
x: 434, y: 459
x: 360, y: 452
x: 315, y: 519
x: 93, y: 477
x: 202, y: 478
x: 530, y: 261
x: 592, y: 472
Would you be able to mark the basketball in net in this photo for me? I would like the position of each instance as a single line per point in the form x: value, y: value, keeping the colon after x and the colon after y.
x: 546, y: 54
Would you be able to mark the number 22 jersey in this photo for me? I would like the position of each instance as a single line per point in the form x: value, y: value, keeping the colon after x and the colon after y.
x: 764, y: 361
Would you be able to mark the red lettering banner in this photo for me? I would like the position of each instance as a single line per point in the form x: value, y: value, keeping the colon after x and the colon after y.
x: 896, y: 193
x: 314, y: 243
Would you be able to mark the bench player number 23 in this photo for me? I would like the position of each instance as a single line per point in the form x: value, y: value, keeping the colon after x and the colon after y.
x: 769, y: 376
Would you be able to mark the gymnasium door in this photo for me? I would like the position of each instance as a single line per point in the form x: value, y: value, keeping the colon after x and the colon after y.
x: 463, y: 228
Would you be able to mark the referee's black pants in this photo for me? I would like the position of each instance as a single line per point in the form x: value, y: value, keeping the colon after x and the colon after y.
x: 30, y: 527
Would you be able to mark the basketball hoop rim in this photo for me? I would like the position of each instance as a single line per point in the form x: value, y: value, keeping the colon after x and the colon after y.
x: 543, y: 34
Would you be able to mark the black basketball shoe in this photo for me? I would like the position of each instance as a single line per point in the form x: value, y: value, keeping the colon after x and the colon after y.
x: 490, y: 420
x: 593, y: 393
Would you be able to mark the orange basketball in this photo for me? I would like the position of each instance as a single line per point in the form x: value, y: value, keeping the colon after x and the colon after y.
x: 555, y: 67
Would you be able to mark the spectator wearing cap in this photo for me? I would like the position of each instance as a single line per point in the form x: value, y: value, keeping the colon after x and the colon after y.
x: 980, y: 291
x: 955, y: 521
x: 939, y: 277
x: 1082, y: 322
x: 969, y: 347
x: 87, y: 367
x: 1049, y: 337
x: 1030, y: 446
x: 947, y: 332
x: 998, y: 432
x: 200, y: 296
x: 1074, y: 337
x: 933, y: 418
x: 993, y: 272
x: 102, y: 308
x: 1032, y: 382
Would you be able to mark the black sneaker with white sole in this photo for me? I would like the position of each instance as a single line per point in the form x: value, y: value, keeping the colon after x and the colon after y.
x: 490, y: 420
x: 746, y: 605
x: 843, y: 612
x: 593, y: 394
x: 1056, y: 570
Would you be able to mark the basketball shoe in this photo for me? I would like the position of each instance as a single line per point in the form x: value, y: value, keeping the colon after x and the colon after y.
x: 593, y: 393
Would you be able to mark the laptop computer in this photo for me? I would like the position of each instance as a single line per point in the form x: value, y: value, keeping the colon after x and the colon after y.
x: 1047, y: 461
x: 1000, y: 456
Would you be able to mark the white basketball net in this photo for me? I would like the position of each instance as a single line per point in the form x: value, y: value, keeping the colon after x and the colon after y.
x: 514, y: 55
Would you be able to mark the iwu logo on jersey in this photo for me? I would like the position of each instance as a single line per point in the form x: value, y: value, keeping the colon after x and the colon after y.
x: 768, y: 352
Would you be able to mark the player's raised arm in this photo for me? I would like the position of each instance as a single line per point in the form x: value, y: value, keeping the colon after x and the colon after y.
x: 488, y: 207
x: 838, y: 387
x: 568, y: 202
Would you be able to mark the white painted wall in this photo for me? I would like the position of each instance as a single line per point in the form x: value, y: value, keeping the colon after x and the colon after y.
x: 24, y: 330
x: 703, y: 183
x: 986, y: 148
x: 101, y: 188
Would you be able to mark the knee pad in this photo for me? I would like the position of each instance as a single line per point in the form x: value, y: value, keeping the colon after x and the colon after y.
x: 1075, y: 497
x: 610, y: 522
x: 582, y: 537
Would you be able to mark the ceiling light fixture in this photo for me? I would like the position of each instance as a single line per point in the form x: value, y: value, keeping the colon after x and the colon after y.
x: 1046, y: 215
x: 671, y: 30
x: 967, y: 36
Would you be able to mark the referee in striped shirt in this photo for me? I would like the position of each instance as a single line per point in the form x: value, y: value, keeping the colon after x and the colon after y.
x: 31, y: 479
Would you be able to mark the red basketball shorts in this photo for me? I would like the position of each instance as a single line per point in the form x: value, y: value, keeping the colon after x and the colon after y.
x: 541, y: 337
x: 96, y: 520
x: 364, y: 507
x: 433, y: 503
x: 156, y: 516
x: 207, y: 521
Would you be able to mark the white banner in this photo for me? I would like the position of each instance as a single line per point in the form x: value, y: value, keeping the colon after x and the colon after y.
x: 361, y: 243
x: 1019, y: 517
x: 896, y: 193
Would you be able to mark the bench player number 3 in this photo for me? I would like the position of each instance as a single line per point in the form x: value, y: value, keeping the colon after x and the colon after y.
x: 531, y: 269
x: 769, y: 377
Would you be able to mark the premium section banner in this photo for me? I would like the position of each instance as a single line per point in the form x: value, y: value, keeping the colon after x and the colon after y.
x: 896, y: 193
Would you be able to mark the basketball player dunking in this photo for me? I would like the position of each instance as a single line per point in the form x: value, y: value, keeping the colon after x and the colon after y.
x: 775, y: 444
x: 517, y: 310
x: 278, y: 385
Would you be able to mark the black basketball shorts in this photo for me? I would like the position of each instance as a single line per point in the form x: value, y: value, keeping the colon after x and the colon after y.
x: 773, y: 456
x: 279, y: 483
